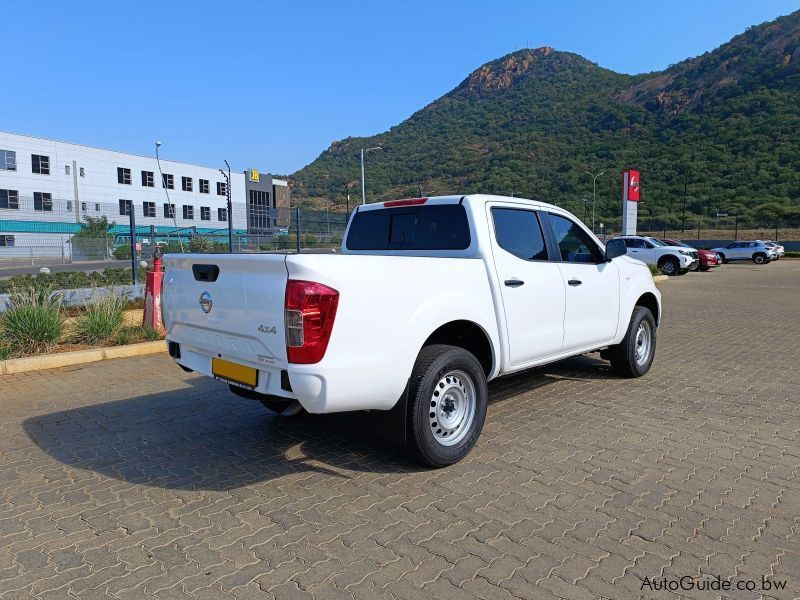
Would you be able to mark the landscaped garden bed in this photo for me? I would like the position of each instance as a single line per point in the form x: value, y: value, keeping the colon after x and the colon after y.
x: 36, y: 323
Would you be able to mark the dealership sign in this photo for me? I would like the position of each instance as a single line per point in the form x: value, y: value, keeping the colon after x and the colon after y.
x: 631, y: 194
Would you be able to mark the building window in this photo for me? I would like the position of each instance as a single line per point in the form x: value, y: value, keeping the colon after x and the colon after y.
x: 222, y: 214
x: 96, y: 207
x: 169, y: 211
x: 8, y: 160
x: 205, y: 213
x: 123, y: 176
x: 222, y: 189
x: 83, y: 207
x: 149, y: 209
x: 168, y: 181
x: 9, y: 199
x: 188, y: 212
x: 125, y: 207
x: 147, y: 179
x: 66, y: 169
x: 258, y: 210
x: 204, y: 186
x: 43, y: 201
x: 81, y: 172
x: 7, y: 240
x: 186, y: 184
x: 69, y: 205
x: 40, y: 164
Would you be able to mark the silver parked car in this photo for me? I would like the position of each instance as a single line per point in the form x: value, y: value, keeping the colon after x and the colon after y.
x: 759, y: 252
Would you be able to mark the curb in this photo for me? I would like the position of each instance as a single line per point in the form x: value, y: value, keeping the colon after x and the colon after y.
x: 660, y: 278
x: 66, y: 359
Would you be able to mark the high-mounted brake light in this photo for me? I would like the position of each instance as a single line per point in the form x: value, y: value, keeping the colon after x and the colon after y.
x: 409, y: 202
x: 310, y: 310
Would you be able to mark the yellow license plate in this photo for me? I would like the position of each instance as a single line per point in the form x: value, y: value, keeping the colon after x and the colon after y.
x: 234, y: 372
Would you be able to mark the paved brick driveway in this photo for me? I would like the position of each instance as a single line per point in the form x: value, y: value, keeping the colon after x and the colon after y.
x: 131, y: 479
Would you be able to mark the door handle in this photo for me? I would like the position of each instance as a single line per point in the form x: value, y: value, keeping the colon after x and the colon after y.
x: 574, y: 282
x: 514, y: 282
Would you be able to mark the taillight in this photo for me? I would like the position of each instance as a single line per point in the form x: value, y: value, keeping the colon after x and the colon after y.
x: 310, y: 309
x: 408, y: 202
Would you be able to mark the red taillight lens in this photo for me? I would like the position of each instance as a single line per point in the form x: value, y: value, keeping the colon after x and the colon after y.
x: 309, y: 312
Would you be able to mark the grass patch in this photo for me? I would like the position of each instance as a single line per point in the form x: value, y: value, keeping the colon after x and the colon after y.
x: 33, y: 324
x: 100, y: 321
x: 654, y: 270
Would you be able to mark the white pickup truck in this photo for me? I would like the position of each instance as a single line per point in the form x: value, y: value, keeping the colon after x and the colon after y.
x: 430, y: 299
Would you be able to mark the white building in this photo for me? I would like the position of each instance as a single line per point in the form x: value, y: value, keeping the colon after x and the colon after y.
x: 47, y: 187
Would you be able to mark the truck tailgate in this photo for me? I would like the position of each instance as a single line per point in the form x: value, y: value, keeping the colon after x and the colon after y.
x: 229, y: 306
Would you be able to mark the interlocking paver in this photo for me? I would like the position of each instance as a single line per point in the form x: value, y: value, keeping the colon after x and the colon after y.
x: 133, y: 479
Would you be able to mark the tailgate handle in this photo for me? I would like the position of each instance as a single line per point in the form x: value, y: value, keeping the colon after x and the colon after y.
x: 205, y: 272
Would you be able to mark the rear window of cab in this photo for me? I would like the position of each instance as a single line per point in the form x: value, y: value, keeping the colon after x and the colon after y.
x: 425, y: 227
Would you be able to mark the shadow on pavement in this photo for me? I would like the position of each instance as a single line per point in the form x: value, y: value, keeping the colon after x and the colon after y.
x: 202, y: 437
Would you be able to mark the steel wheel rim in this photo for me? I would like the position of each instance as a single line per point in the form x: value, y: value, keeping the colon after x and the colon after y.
x: 643, y: 343
x: 452, y: 408
x: 668, y: 268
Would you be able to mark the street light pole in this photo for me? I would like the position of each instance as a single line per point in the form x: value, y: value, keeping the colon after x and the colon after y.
x: 594, y: 192
x: 363, y: 184
x: 169, y: 204
x: 227, y: 177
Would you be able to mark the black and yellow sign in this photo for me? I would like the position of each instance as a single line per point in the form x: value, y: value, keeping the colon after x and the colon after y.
x: 254, y: 175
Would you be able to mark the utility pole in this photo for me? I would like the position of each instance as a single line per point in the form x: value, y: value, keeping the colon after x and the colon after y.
x: 594, y: 192
x: 363, y: 184
x: 685, y: 185
x: 132, y: 221
x: 230, y: 205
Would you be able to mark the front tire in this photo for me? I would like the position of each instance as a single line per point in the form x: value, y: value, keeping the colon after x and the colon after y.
x: 447, y: 398
x: 633, y: 356
x: 670, y: 266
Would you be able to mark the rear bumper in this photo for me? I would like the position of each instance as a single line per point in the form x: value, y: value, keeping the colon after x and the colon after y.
x: 269, y: 377
x: 324, y: 387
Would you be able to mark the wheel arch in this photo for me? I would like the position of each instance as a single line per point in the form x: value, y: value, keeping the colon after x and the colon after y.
x: 648, y: 300
x: 467, y: 335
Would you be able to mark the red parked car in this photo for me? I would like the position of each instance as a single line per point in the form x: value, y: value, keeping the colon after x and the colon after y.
x: 708, y: 259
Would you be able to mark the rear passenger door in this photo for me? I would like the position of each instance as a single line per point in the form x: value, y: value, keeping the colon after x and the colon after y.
x: 591, y: 285
x: 531, y: 285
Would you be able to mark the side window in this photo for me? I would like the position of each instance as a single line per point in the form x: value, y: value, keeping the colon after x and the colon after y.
x: 574, y: 244
x: 646, y: 244
x: 518, y: 232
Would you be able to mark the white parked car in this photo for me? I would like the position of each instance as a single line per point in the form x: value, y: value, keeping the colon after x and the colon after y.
x: 430, y: 299
x: 778, y: 250
x: 671, y: 260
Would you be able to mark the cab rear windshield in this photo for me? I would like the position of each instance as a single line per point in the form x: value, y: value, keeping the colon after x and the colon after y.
x: 433, y: 227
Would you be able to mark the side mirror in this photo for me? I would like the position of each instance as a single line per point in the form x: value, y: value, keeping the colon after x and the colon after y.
x: 615, y: 248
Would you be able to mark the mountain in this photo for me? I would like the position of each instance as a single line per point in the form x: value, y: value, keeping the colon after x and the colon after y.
x: 723, y: 126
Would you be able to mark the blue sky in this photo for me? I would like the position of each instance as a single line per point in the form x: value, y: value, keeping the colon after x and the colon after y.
x: 272, y: 84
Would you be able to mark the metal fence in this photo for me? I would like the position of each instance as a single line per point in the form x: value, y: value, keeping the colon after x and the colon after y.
x: 46, y: 243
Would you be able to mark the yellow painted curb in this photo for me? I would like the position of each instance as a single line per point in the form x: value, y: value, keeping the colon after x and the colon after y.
x: 66, y: 359
x: 660, y: 278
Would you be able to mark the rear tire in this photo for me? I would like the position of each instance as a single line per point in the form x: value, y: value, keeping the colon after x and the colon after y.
x: 670, y: 266
x: 447, y: 398
x: 760, y: 258
x: 634, y: 355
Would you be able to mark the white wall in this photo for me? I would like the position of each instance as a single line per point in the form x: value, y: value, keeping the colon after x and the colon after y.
x: 99, y: 184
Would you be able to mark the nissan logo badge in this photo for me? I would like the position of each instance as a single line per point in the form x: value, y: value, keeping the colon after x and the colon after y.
x: 205, y: 302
